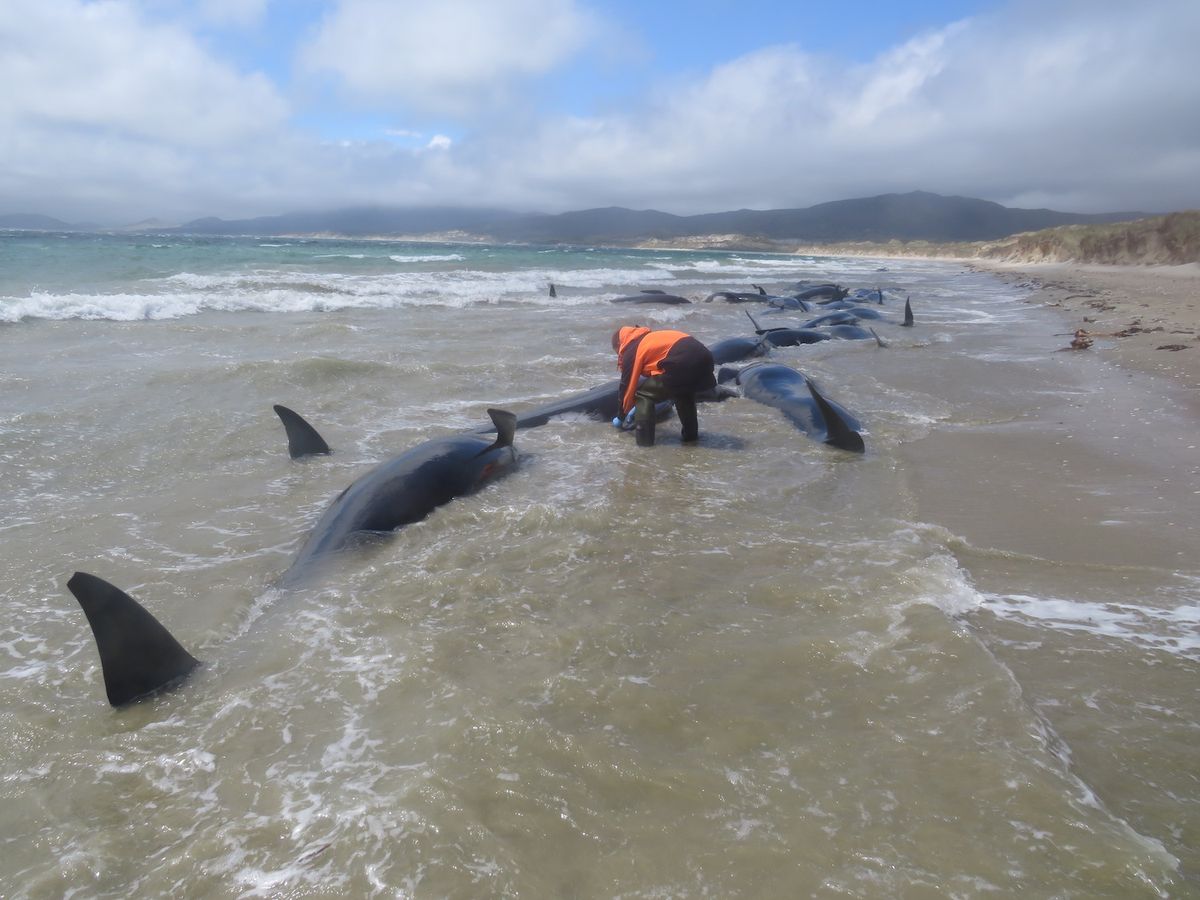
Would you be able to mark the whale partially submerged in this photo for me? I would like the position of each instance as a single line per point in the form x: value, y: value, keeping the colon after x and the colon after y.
x: 138, y: 655
x: 652, y: 295
x: 798, y: 399
x: 303, y: 439
x: 408, y: 487
x: 600, y: 403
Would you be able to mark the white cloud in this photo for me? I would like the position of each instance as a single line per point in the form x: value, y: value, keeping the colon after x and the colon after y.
x: 1066, y: 104
x: 1088, y: 105
x: 72, y: 67
x: 451, y: 56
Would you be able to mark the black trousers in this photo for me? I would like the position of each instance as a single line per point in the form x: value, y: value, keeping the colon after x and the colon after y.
x: 653, y: 391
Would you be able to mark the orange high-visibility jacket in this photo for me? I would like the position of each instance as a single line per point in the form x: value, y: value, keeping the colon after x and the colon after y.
x: 652, y: 348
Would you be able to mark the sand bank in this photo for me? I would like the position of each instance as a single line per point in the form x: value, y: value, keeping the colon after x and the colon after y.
x: 1144, y: 317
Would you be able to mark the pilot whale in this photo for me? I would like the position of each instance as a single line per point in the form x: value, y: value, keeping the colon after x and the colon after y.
x: 303, y: 439
x: 652, y: 295
x: 408, y: 487
x: 138, y: 655
x: 799, y: 400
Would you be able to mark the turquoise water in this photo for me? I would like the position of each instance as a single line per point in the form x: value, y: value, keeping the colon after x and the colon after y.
x: 964, y: 663
x: 60, y: 276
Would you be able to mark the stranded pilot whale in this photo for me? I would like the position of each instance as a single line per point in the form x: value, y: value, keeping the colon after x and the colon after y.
x: 797, y: 398
x: 303, y: 439
x: 139, y: 656
x: 407, y: 488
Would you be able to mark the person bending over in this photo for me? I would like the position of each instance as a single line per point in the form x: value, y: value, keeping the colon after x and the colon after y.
x: 674, y: 366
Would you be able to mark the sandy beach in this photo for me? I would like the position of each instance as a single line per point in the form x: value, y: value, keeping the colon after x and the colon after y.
x: 1143, y: 317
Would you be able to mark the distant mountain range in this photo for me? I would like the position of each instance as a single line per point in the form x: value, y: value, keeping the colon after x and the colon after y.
x: 906, y: 217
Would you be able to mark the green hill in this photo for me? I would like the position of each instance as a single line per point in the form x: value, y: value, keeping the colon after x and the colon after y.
x: 1170, y: 240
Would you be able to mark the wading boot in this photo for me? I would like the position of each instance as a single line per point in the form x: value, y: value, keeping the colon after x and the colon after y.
x: 644, y: 419
x: 685, y: 408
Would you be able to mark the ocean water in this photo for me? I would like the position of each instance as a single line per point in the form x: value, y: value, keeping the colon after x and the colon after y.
x: 963, y: 664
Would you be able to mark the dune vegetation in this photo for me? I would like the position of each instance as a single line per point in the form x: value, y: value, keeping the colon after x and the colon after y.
x: 1169, y: 240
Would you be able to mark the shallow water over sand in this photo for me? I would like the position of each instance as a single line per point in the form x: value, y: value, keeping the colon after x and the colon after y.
x: 963, y: 663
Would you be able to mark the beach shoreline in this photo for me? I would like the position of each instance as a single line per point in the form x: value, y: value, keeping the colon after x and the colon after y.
x: 1141, y: 317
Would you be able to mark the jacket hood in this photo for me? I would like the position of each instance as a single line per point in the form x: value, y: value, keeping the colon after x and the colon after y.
x: 626, y: 335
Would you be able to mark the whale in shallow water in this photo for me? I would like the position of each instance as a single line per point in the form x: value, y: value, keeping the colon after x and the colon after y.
x: 408, y: 487
x: 303, y: 439
x: 139, y: 656
x: 798, y: 399
x: 652, y: 295
x: 737, y: 296
x: 786, y: 337
x: 600, y: 402
x: 820, y: 291
x: 736, y: 349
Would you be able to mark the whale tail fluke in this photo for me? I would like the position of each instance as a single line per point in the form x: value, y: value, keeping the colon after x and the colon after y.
x: 908, y: 316
x: 138, y: 655
x: 837, y: 430
x: 303, y: 439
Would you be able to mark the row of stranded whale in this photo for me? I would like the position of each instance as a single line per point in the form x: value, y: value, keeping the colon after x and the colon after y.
x: 140, y: 658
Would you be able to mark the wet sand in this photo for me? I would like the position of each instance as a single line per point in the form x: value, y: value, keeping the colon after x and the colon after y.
x: 1141, y: 317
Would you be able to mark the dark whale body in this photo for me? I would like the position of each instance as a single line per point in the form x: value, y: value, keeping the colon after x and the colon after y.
x: 651, y: 295
x: 799, y: 400
x: 738, y: 348
x: 819, y: 291
x: 736, y: 297
x: 600, y: 403
x: 140, y: 658
x: 408, y: 487
x: 794, y: 337
x: 839, y: 317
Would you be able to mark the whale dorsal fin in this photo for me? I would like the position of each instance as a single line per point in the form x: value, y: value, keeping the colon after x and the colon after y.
x: 137, y: 654
x: 506, y: 428
x: 303, y: 439
x: 837, y: 430
x: 908, y: 316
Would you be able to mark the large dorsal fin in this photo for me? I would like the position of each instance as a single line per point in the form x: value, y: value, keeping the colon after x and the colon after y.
x: 838, y: 431
x: 908, y: 316
x: 506, y: 428
x: 138, y: 655
x: 303, y: 439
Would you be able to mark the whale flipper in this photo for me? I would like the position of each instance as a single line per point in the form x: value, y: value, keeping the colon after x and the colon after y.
x: 137, y: 654
x: 908, y: 316
x: 838, y: 432
x: 303, y: 439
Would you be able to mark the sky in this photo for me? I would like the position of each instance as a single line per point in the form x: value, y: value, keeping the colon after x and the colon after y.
x: 115, y: 111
